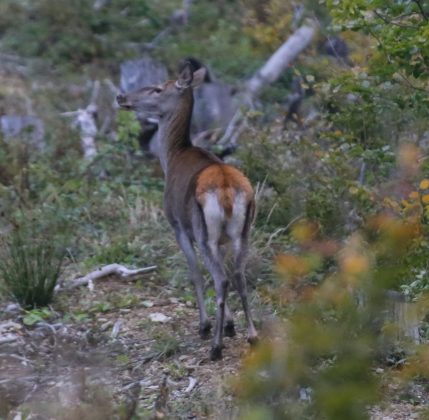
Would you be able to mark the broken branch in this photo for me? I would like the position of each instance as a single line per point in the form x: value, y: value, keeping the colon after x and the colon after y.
x: 108, y: 270
x: 281, y: 59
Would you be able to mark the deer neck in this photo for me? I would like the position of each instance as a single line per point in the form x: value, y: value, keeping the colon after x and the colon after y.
x: 175, y: 132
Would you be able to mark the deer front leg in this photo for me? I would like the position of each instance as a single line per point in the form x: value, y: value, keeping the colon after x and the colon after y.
x: 196, y: 277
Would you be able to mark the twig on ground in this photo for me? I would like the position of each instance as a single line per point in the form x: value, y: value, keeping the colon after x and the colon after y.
x: 191, y: 386
x: 8, y: 339
x: 15, y: 356
x: 50, y: 328
x: 107, y: 270
x: 19, y: 378
x: 116, y: 328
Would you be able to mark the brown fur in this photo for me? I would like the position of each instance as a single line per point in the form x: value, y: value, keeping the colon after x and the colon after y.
x: 226, y: 180
x: 190, y: 174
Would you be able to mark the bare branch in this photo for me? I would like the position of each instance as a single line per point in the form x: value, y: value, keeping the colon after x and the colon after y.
x: 268, y: 74
x: 84, y: 119
x: 281, y: 59
x: 107, y: 270
x: 95, y: 92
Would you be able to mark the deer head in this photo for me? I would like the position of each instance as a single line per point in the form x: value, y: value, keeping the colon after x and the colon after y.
x: 164, y: 99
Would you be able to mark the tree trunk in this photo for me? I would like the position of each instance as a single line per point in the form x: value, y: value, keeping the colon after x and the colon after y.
x: 281, y: 59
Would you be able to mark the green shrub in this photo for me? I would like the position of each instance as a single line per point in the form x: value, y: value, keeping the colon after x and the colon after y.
x: 72, y: 33
x: 30, y: 269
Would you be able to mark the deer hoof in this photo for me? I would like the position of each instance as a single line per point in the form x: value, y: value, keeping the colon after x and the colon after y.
x: 216, y: 353
x: 229, y: 329
x: 253, y: 341
x: 204, y: 330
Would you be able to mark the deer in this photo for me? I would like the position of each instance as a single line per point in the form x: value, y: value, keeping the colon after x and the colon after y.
x: 207, y: 202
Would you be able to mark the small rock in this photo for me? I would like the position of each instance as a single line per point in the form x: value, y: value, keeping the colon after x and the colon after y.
x: 27, y: 128
x: 106, y: 325
x: 10, y: 326
x: 13, y: 308
x: 159, y: 317
x: 305, y: 394
x: 147, y: 303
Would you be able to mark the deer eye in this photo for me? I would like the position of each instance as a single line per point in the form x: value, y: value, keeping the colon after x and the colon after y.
x: 157, y: 89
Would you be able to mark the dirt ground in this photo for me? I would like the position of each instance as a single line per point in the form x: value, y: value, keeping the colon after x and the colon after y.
x: 87, y: 367
x: 124, y: 350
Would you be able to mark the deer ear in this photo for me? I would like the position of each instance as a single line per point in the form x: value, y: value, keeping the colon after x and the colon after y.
x: 185, y: 77
x: 199, y: 77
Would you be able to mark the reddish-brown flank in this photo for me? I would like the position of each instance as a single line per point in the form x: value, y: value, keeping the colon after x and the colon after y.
x: 226, y: 180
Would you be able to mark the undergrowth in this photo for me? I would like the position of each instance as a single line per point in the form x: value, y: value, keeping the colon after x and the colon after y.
x: 30, y: 268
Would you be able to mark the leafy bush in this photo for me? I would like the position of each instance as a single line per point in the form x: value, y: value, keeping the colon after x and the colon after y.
x: 71, y: 33
x: 305, y: 176
x: 321, y: 364
x: 30, y: 269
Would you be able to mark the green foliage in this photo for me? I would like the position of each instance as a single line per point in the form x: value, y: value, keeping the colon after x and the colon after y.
x: 128, y: 128
x: 305, y: 176
x: 36, y: 315
x: 334, y: 332
x: 164, y: 346
x: 73, y: 33
x: 384, y: 97
x: 331, y: 170
x: 226, y: 47
x: 30, y: 268
x: 210, y: 301
x: 118, y: 250
x: 400, y: 29
x: 337, y: 167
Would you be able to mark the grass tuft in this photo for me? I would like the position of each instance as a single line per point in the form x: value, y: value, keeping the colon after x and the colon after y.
x: 30, y: 268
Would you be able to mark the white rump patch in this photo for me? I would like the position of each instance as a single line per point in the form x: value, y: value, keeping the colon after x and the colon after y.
x: 235, y: 225
x: 214, y: 216
x: 220, y: 227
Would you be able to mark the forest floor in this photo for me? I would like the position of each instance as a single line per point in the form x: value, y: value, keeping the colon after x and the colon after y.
x: 77, y: 369
x: 108, y: 356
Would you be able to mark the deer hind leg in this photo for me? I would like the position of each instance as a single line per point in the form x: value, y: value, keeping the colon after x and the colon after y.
x: 240, y: 251
x: 197, y: 279
x: 215, y: 267
x: 229, y: 328
x: 238, y: 231
x: 208, y: 241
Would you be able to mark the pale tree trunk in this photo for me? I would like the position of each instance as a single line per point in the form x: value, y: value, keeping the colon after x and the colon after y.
x: 84, y: 120
x: 267, y: 74
x: 281, y: 59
